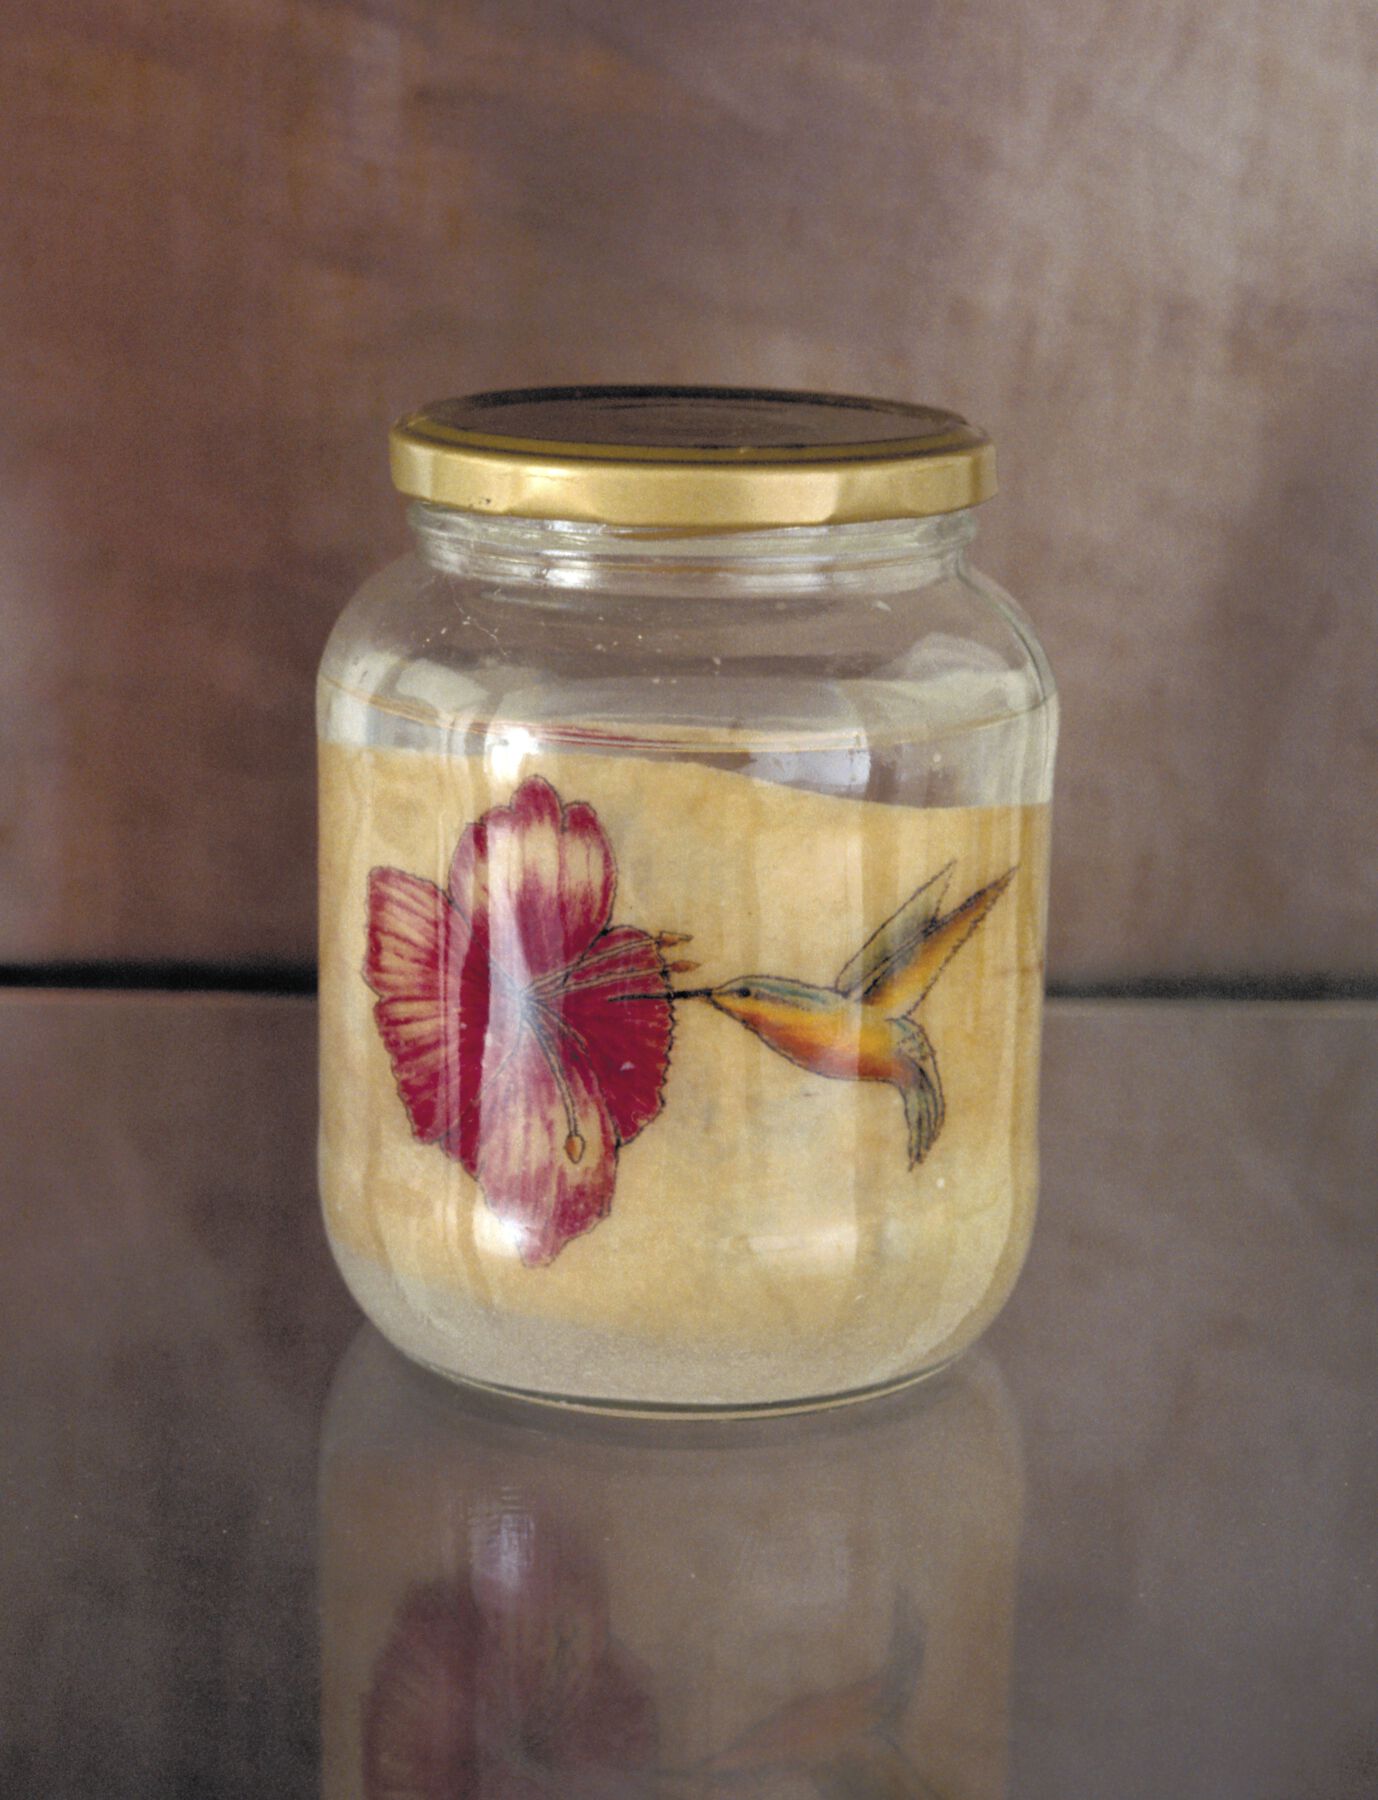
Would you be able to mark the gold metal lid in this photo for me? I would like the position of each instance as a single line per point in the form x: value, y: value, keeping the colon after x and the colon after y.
x: 695, y: 458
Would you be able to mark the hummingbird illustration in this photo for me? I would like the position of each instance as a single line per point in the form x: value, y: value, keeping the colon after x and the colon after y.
x: 842, y: 1741
x: 863, y: 1028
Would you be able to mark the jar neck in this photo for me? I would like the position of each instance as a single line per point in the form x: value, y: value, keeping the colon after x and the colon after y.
x: 563, y: 554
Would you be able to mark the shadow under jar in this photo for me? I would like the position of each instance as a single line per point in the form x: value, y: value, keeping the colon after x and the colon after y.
x: 684, y: 826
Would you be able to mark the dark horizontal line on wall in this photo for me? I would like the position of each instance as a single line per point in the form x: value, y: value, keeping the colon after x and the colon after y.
x: 164, y: 977
x: 1215, y: 987
x: 300, y: 978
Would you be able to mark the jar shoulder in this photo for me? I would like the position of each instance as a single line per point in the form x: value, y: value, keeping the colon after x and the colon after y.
x: 934, y: 694
x: 410, y: 615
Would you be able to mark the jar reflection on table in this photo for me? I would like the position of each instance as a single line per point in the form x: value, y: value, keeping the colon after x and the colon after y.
x: 521, y: 1604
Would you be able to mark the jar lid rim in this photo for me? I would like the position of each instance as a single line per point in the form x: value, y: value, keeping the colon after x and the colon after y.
x: 691, y: 457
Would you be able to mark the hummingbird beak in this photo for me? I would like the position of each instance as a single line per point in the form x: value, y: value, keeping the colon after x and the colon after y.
x: 703, y: 993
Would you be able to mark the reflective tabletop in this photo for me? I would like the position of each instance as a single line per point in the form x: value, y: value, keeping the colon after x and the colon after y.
x: 1126, y: 1547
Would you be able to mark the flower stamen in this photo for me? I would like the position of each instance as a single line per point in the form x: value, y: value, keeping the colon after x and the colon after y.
x: 594, y: 958
x: 574, y: 1140
x: 560, y: 978
x: 608, y: 978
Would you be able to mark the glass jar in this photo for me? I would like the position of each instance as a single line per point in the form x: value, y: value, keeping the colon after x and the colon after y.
x: 590, y: 1607
x: 684, y: 826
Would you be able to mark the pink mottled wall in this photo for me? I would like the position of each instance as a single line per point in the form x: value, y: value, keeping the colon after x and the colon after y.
x: 1139, y: 243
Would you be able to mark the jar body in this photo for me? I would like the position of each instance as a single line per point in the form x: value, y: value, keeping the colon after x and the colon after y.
x: 682, y: 914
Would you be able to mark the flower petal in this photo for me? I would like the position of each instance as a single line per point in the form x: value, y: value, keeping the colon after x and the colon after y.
x: 439, y: 1023
x: 535, y: 879
x: 419, y: 1725
x: 547, y: 1151
x: 616, y: 1727
x: 626, y: 1041
x: 544, y: 1605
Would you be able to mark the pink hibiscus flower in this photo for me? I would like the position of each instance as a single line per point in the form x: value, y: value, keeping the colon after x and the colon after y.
x: 505, y: 1681
x: 529, y: 1037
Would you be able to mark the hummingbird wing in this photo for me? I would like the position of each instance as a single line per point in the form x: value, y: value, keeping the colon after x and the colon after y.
x: 904, y: 981
x: 893, y: 941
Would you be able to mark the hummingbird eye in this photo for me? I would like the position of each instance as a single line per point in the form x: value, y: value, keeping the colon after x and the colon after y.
x: 742, y: 993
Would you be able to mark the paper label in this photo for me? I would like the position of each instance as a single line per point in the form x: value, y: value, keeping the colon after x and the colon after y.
x: 695, y: 1061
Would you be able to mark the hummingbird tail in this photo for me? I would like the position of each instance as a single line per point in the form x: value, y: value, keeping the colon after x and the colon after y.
x: 920, y: 1089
